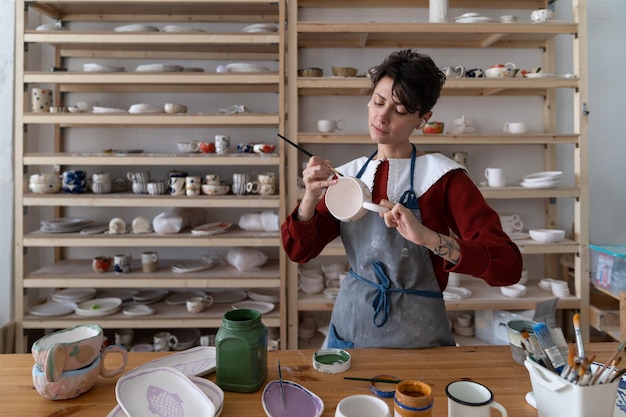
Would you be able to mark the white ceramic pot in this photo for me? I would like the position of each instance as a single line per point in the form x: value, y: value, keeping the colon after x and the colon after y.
x: 350, y: 199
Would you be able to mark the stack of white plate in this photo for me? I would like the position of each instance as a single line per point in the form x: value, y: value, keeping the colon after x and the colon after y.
x: 93, y: 67
x: 99, y: 307
x: 64, y: 224
x: 473, y: 17
x: 145, y: 108
x: 192, y: 266
x: 52, y: 309
x: 136, y: 27
x: 150, y: 296
x: 269, y: 295
x: 245, y: 67
x: 544, y: 179
x: 159, y: 68
x: 260, y: 27
x: 74, y: 295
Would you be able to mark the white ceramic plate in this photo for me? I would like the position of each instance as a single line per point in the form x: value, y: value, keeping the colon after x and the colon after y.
x: 179, y: 298
x: 537, y: 184
x: 477, y: 19
x: 260, y: 306
x: 138, y: 310
x: 209, y: 388
x: 245, y: 67
x: 137, y: 27
x: 125, y: 294
x: 175, y: 28
x: 227, y: 296
x: 145, y: 108
x: 94, y: 230
x: 197, y: 361
x: 93, y: 67
x: 192, y: 266
x: 106, y: 110
x: 456, y: 293
x: 52, y: 309
x: 159, y: 68
x: 74, y: 295
x: 50, y: 27
x: 163, y: 392
x: 65, y: 222
x: 211, y: 229
x: 145, y: 296
x: 544, y: 175
x: 260, y: 27
x: 299, y: 401
x: 269, y: 295
x: 99, y: 307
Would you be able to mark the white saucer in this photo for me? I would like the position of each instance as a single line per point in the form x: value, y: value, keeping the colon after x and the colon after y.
x: 227, y: 296
x: 137, y: 27
x: 125, y: 294
x: 159, y: 68
x: 145, y: 108
x: 456, y: 293
x: 192, y: 266
x: 150, y: 296
x: 101, y: 110
x: 99, y: 307
x: 74, y: 295
x: 175, y: 28
x: 245, y: 67
x: 138, y: 310
x: 269, y: 295
x: 93, y: 67
x: 210, y: 229
x: 260, y: 306
x: 52, y: 309
x: 261, y: 27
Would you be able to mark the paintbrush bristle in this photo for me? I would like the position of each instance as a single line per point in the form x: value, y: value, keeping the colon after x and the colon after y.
x: 549, y: 347
x: 576, y: 321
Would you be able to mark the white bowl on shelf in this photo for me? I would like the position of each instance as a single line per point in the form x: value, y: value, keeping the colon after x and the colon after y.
x: 547, y: 235
x: 514, y: 291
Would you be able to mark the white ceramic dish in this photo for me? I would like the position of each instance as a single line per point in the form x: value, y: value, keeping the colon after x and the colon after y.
x: 49, y: 27
x: 136, y: 27
x: 245, y: 67
x: 514, y: 291
x: 269, y: 295
x: 543, y: 176
x: 145, y: 108
x: 192, y: 266
x: 477, y: 19
x: 74, y: 295
x: 136, y: 310
x: 260, y: 306
x: 159, y: 68
x: 52, y: 309
x: 538, y: 184
x: 125, y: 294
x: 299, y: 401
x: 260, y: 27
x: 106, y: 110
x: 161, y: 391
x: 211, y: 229
x: 180, y: 298
x: 547, y: 235
x: 197, y: 361
x: 98, y: 307
x: 176, y: 28
x: 227, y: 296
x: 93, y: 67
x: 456, y: 293
x: 150, y: 296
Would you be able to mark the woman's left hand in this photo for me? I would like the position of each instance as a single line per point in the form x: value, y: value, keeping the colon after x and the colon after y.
x: 402, y: 219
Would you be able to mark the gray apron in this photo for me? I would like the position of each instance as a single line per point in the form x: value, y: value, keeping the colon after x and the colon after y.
x: 391, y: 297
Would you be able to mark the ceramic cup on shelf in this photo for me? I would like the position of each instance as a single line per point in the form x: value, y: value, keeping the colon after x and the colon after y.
x: 121, y: 263
x: 198, y: 304
x: 495, y: 177
x: 149, y: 261
x: 515, y: 128
x: 222, y: 144
x: 541, y: 15
x: 177, y: 186
x: 329, y: 125
x: 101, y: 263
x: 193, y: 185
x: 40, y: 100
x: 164, y: 341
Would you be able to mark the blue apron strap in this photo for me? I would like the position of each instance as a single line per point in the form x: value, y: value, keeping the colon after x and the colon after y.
x: 381, y: 303
x: 408, y: 198
x: 362, y: 170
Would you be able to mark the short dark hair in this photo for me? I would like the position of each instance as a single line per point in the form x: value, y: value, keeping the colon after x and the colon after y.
x: 417, y: 81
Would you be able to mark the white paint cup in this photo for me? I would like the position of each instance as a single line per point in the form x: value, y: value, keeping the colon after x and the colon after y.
x: 471, y: 399
x: 362, y: 406
x: 515, y: 128
x: 495, y: 177
x: 350, y: 199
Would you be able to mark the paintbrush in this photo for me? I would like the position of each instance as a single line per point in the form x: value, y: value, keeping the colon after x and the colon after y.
x: 280, y: 383
x: 389, y: 381
x: 570, y: 362
x: 549, y: 347
x: 579, y: 337
x: 304, y: 151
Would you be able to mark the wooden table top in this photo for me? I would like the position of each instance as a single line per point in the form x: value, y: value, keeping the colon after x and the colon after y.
x: 492, y: 366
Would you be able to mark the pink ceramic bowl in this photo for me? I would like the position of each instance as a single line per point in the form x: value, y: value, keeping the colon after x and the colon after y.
x: 67, y: 350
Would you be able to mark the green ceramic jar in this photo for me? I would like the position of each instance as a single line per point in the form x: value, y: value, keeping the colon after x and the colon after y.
x: 241, y: 349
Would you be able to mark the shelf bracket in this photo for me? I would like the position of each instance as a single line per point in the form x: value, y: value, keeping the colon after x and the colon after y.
x: 585, y: 110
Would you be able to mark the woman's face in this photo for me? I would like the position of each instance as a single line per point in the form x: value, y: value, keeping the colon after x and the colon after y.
x: 389, y: 122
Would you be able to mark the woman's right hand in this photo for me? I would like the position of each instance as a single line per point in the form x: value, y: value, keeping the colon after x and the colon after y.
x: 317, y: 176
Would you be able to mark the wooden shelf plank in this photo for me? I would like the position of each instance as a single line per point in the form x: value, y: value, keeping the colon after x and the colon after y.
x: 443, y: 139
x: 160, y: 119
x: 483, y: 297
x: 148, y: 158
x: 78, y: 273
x: 151, y: 78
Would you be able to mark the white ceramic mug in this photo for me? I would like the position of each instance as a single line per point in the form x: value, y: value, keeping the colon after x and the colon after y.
x: 350, y: 199
x: 177, y: 186
x: 541, y: 15
x: 198, y: 304
x: 222, y: 144
x: 329, y: 125
x: 516, y: 128
x: 149, y: 261
x: 193, y: 185
x: 495, y: 177
x: 121, y: 263
x: 164, y: 341
x: 362, y: 405
x: 156, y: 187
x: 471, y: 399
x: 41, y: 100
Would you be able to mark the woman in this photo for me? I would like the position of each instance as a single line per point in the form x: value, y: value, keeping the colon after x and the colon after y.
x: 400, y: 259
